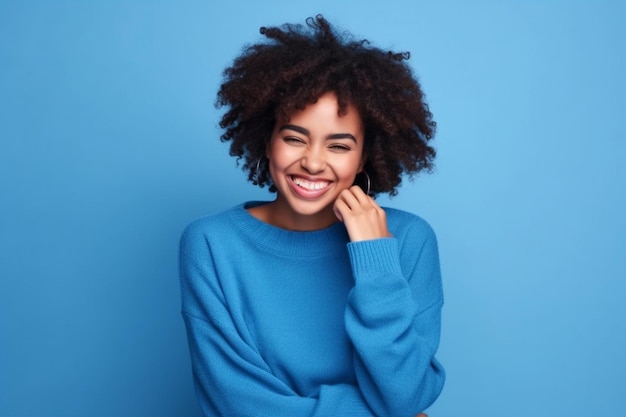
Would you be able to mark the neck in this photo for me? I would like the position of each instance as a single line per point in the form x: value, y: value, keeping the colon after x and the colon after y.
x: 279, y: 215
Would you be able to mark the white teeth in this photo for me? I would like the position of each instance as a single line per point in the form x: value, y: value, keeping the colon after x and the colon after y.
x: 310, y: 185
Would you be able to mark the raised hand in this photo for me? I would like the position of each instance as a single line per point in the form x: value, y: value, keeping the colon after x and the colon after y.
x: 363, y: 217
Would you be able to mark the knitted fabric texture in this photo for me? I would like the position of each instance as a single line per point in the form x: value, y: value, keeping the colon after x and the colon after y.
x: 284, y: 323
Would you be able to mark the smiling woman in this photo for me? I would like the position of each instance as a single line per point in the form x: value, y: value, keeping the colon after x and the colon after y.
x: 320, y: 302
x: 312, y: 159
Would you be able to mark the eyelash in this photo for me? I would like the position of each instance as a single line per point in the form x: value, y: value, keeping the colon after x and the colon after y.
x: 293, y: 139
x: 333, y: 146
x: 339, y: 147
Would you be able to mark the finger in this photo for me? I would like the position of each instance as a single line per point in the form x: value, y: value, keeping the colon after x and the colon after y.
x: 349, y: 199
x: 363, y: 199
x: 341, y: 208
x: 362, y: 196
x: 359, y: 194
x: 337, y: 211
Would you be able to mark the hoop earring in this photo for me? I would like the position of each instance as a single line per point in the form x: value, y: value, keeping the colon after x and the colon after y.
x: 255, y: 179
x: 369, y: 182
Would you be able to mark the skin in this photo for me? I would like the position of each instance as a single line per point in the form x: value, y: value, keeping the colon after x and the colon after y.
x: 314, y: 158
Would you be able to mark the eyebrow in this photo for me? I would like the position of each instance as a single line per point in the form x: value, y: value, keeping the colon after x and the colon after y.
x: 306, y: 132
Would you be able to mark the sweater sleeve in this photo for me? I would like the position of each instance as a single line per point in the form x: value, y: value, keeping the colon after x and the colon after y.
x: 393, y: 318
x: 230, y: 375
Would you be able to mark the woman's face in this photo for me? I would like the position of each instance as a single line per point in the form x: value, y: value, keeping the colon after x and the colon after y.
x: 312, y: 158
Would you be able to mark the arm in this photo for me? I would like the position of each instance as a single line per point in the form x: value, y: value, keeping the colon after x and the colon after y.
x: 230, y: 375
x: 394, y: 311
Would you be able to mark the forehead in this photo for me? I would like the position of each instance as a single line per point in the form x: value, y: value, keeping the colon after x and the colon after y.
x: 325, y: 112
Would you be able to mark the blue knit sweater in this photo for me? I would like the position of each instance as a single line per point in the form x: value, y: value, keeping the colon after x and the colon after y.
x: 284, y: 323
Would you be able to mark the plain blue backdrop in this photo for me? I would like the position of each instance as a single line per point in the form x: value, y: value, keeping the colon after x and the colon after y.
x: 109, y: 146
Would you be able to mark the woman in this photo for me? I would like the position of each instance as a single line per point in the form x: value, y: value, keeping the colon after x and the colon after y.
x: 320, y: 302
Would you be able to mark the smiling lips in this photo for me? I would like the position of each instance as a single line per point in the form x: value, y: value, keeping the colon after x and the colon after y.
x: 308, y: 188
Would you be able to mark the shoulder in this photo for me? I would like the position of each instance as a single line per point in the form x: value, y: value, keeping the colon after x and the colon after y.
x: 419, y: 251
x: 403, y: 224
x: 210, y: 226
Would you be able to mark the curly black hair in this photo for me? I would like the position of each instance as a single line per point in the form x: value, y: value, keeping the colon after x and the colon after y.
x: 296, y: 65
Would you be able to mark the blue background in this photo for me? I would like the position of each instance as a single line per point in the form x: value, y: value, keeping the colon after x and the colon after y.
x: 109, y: 146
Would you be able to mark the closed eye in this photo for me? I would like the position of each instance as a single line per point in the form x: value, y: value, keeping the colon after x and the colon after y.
x: 339, y: 147
x: 293, y: 140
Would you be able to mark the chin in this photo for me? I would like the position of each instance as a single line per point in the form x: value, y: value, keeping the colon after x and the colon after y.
x: 311, y: 208
x: 308, y: 209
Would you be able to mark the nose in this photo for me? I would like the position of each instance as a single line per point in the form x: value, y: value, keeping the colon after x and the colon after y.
x: 313, y: 160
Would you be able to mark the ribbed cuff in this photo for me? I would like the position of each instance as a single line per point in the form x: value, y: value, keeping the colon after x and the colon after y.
x: 374, y: 257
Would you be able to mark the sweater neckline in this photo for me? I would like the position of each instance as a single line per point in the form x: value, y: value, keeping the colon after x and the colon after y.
x: 288, y: 242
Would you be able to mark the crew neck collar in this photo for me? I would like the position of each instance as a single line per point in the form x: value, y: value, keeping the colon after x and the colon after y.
x: 292, y: 243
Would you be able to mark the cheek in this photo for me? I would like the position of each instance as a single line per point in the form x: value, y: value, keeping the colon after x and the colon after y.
x: 279, y: 156
x: 348, y: 170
